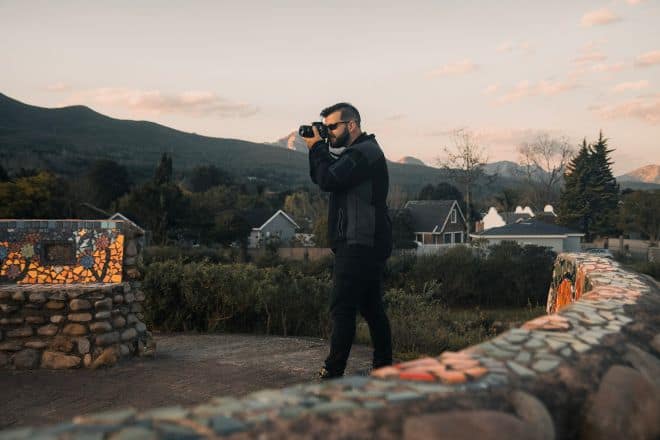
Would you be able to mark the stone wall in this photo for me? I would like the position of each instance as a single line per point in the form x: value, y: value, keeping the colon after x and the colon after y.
x: 70, y: 326
x: 590, y: 370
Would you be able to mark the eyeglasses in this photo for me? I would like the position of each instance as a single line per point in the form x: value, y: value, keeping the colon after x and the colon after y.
x: 336, y: 124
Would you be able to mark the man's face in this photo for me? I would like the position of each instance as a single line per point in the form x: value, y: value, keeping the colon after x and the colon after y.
x: 340, y: 136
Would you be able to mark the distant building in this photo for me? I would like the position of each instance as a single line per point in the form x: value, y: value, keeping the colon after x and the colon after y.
x: 534, y: 232
x: 494, y: 219
x: 437, y: 222
x: 278, y: 225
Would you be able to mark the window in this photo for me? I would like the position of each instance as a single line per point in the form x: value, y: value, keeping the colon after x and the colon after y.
x: 453, y: 216
x: 458, y: 237
x: 419, y: 238
x: 59, y: 253
x: 447, y: 237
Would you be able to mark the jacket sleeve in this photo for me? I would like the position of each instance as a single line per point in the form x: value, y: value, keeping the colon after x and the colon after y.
x: 330, y: 174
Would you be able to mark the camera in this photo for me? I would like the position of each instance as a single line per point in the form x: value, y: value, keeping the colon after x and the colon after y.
x: 307, y: 132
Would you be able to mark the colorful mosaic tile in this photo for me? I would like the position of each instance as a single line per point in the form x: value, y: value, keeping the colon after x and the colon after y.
x: 66, y: 252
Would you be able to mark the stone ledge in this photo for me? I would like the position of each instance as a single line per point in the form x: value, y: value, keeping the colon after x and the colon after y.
x: 589, y: 370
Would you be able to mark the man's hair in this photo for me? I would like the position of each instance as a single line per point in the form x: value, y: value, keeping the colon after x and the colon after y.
x: 348, y: 112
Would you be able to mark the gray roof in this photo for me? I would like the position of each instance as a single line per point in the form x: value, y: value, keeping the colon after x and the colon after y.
x: 429, y: 214
x: 527, y: 228
x: 513, y: 217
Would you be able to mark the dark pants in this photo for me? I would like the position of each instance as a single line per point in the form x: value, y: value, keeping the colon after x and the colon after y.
x: 357, y: 290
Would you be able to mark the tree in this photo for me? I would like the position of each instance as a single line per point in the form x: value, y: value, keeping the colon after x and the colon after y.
x: 508, y: 199
x: 590, y: 196
x: 544, y: 161
x: 164, y: 172
x: 604, y: 189
x: 464, y: 161
x: 38, y: 196
x: 205, y: 177
x: 403, y: 231
x: 441, y: 191
x: 4, y: 177
x: 305, y: 208
x: 107, y: 182
x: 640, y: 212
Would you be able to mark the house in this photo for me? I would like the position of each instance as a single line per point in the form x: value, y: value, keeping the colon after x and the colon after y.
x: 278, y: 225
x: 437, y: 222
x: 536, y: 232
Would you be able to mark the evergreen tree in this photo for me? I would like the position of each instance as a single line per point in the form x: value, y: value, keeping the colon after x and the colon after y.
x: 163, y: 172
x: 604, y: 189
x: 589, y: 199
x: 4, y: 177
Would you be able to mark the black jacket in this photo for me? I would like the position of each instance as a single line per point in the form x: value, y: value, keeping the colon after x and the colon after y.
x: 358, y: 181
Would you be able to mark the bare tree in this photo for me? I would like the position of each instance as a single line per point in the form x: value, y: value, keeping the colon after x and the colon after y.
x: 544, y: 160
x: 397, y: 197
x: 464, y: 161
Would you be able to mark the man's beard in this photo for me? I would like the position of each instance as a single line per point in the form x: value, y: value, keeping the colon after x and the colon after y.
x: 341, y: 140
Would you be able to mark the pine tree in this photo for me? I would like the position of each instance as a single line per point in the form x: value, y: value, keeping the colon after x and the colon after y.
x: 604, y: 189
x: 163, y: 172
x: 574, y: 206
x: 590, y: 197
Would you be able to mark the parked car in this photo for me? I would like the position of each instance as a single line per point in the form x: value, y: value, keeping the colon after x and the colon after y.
x: 600, y: 252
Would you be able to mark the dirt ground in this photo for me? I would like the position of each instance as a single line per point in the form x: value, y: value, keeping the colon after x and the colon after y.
x: 188, y: 369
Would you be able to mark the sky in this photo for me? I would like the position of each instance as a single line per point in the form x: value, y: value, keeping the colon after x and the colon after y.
x: 416, y: 70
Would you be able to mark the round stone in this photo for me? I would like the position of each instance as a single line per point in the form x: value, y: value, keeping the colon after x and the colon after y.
x: 103, y: 315
x: 55, y: 305
x: 129, y: 334
x: 58, y: 361
x: 56, y: 319
x: 79, y: 304
x: 18, y: 296
x: 36, y: 344
x: 35, y: 319
x: 466, y: 425
x: 102, y: 305
x: 100, y: 327
x: 47, y: 330
x: 129, y: 298
x: 83, y: 345
x: 26, y: 359
x: 107, y: 338
x: 22, y: 332
x: 37, y: 297
x: 119, y: 322
x: 118, y: 299
x: 61, y: 343
x: 75, y: 330
x: 532, y: 411
x: 80, y: 317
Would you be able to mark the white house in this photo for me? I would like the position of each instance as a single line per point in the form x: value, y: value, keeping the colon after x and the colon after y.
x: 534, y: 232
x: 278, y: 225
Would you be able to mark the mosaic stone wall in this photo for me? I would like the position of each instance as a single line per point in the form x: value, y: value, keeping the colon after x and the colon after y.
x: 61, y: 251
x: 589, y: 371
x: 84, y: 325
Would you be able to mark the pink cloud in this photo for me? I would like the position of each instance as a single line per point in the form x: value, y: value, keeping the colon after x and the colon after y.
x: 635, y: 2
x: 632, y: 85
x: 644, y: 108
x: 200, y: 103
x: 525, y: 89
x: 608, y: 68
x: 454, y: 69
x: 599, y: 17
x: 648, y: 59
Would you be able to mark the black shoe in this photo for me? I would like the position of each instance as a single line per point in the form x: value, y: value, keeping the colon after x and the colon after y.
x: 325, y: 374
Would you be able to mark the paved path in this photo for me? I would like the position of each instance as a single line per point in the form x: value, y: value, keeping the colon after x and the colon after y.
x: 188, y: 369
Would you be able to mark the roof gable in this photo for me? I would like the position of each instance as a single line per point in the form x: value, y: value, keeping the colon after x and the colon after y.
x: 279, y: 212
x: 528, y: 228
x: 431, y: 215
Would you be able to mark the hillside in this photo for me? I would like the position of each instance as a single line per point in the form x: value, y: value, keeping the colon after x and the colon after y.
x: 645, y: 174
x: 67, y: 140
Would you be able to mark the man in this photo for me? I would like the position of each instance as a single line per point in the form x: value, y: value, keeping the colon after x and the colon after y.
x: 353, y: 169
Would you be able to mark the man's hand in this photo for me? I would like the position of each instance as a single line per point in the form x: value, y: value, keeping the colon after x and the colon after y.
x: 313, y: 140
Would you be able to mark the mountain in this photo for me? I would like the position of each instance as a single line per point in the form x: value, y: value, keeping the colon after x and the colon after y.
x: 68, y: 140
x: 645, y: 174
x: 409, y: 160
x: 293, y: 141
